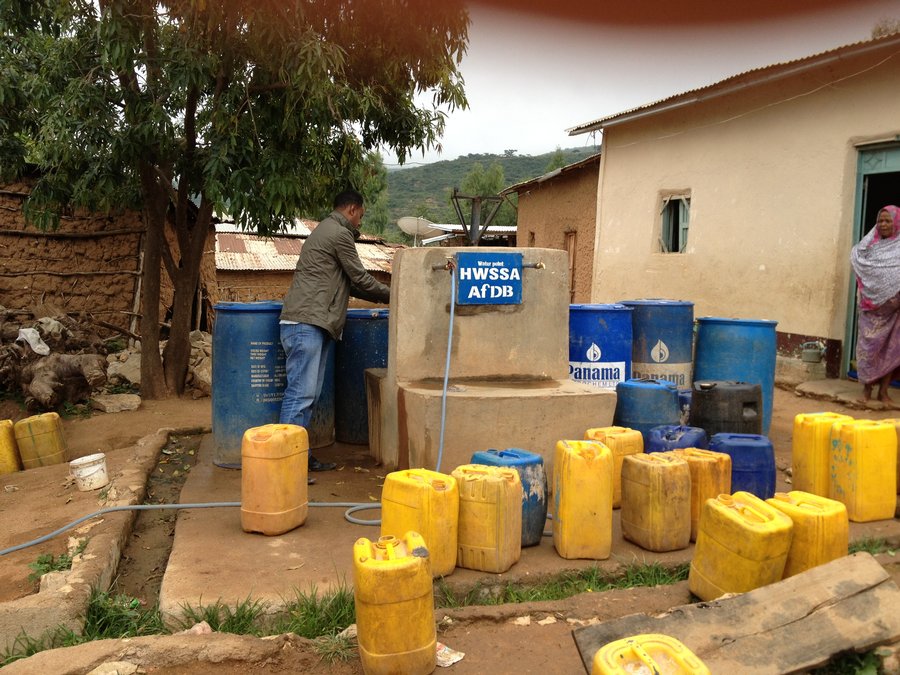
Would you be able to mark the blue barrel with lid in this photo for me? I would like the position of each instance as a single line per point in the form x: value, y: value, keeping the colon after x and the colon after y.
x: 249, y: 378
x: 642, y: 404
x: 530, y: 467
x: 662, y: 340
x: 363, y: 344
x: 741, y: 350
x: 675, y: 436
x: 248, y: 374
x: 752, y: 462
x: 600, y: 344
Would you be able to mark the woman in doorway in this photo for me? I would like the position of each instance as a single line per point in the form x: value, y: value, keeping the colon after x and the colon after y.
x: 876, y: 262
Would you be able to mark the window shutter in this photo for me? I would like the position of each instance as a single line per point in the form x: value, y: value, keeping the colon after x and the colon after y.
x: 684, y: 212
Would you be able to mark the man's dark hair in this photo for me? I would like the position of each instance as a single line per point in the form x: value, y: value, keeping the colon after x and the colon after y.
x: 348, y: 198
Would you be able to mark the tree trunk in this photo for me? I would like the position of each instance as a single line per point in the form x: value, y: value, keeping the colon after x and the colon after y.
x: 156, y: 200
x: 177, y: 354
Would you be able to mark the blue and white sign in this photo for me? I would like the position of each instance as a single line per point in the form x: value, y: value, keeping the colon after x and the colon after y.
x: 488, y: 278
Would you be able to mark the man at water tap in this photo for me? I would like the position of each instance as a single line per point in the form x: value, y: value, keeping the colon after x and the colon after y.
x: 328, y: 272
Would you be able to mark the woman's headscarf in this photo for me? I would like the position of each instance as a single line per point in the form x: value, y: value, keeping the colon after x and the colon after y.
x: 876, y: 261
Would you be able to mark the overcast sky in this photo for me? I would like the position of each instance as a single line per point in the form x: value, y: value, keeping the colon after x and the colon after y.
x: 529, y: 78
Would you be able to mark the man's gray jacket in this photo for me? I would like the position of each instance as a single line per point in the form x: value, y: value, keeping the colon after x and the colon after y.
x: 328, y: 272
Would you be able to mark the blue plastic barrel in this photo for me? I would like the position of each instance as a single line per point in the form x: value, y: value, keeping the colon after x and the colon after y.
x: 600, y: 344
x: 662, y: 344
x: 364, y: 344
x: 674, y: 436
x: 741, y: 350
x: 530, y: 467
x: 644, y: 404
x: 248, y: 374
x: 752, y: 462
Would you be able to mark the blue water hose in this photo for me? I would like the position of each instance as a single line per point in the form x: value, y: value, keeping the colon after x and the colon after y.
x: 352, y: 507
x: 447, y: 365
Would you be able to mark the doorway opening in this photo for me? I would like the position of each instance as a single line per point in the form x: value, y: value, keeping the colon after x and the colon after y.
x: 878, y: 184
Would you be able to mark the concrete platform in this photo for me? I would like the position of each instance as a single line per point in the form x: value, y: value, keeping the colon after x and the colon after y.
x: 212, y: 559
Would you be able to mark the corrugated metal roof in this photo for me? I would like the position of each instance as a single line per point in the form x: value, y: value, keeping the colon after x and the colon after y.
x: 519, y: 187
x: 300, y: 228
x: 248, y: 252
x: 739, y: 81
x: 458, y: 229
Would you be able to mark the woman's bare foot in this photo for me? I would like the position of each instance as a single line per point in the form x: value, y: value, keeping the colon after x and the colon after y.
x: 867, y: 394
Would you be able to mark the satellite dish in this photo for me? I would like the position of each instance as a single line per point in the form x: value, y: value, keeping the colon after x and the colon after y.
x: 417, y: 226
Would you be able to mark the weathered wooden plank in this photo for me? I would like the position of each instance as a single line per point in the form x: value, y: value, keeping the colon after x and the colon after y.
x: 798, y: 623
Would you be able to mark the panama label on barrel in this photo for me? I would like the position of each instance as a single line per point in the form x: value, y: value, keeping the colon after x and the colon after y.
x: 596, y: 373
x: 677, y: 373
x: 489, y: 278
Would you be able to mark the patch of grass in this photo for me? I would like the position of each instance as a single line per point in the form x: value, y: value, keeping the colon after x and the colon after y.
x: 333, y: 648
x: 70, y: 411
x: 108, y: 616
x: 850, y: 663
x: 245, y: 619
x: 47, y: 562
x: 122, y: 388
x: 24, y: 645
x: 119, y: 616
x: 311, y: 615
x: 873, y: 545
x: 114, y: 345
x: 590, y: 579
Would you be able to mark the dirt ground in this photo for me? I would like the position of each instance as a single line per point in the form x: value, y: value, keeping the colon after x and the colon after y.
x: 526, y: 638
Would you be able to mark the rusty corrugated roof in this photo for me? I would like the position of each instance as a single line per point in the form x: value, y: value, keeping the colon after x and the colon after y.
x: 237, y: 251
x: 739, y: 81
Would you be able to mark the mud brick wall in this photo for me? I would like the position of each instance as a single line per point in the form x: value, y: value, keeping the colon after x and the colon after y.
x: 90, y: 264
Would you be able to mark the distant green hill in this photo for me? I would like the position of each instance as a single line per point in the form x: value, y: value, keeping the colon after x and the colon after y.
x: 425, y: 190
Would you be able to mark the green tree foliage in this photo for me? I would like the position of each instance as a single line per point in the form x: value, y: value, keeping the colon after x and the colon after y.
x: 481, y: 182
x: 371, y: 179
x: 424, y: 190
x: 557, y: 160
x: 259, y: 108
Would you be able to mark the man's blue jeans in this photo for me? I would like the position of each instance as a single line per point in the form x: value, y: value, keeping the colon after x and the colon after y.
x: 306, y: 350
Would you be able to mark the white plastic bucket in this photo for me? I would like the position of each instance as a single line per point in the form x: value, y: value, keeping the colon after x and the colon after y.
x: 89, y: 472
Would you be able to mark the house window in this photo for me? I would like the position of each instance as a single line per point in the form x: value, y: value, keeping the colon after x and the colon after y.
x: 676, y: 210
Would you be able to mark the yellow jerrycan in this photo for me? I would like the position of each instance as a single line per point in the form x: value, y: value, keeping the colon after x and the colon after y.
x: 864, y: 469
x: 274, y: 460
x: 821, y: 529
x: 811, y: 451
x: 582, y: 500
x: 40, y: 440
x: 656, y: 501
x: 394, y: 598
x: 743, y: 544
x: 490, y: 517
x: 621, y: 441
x: 896, y: 422
x: 426, y: 502
x: 9, y: 450
x: 710, y: 477
x: 650, y: 654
